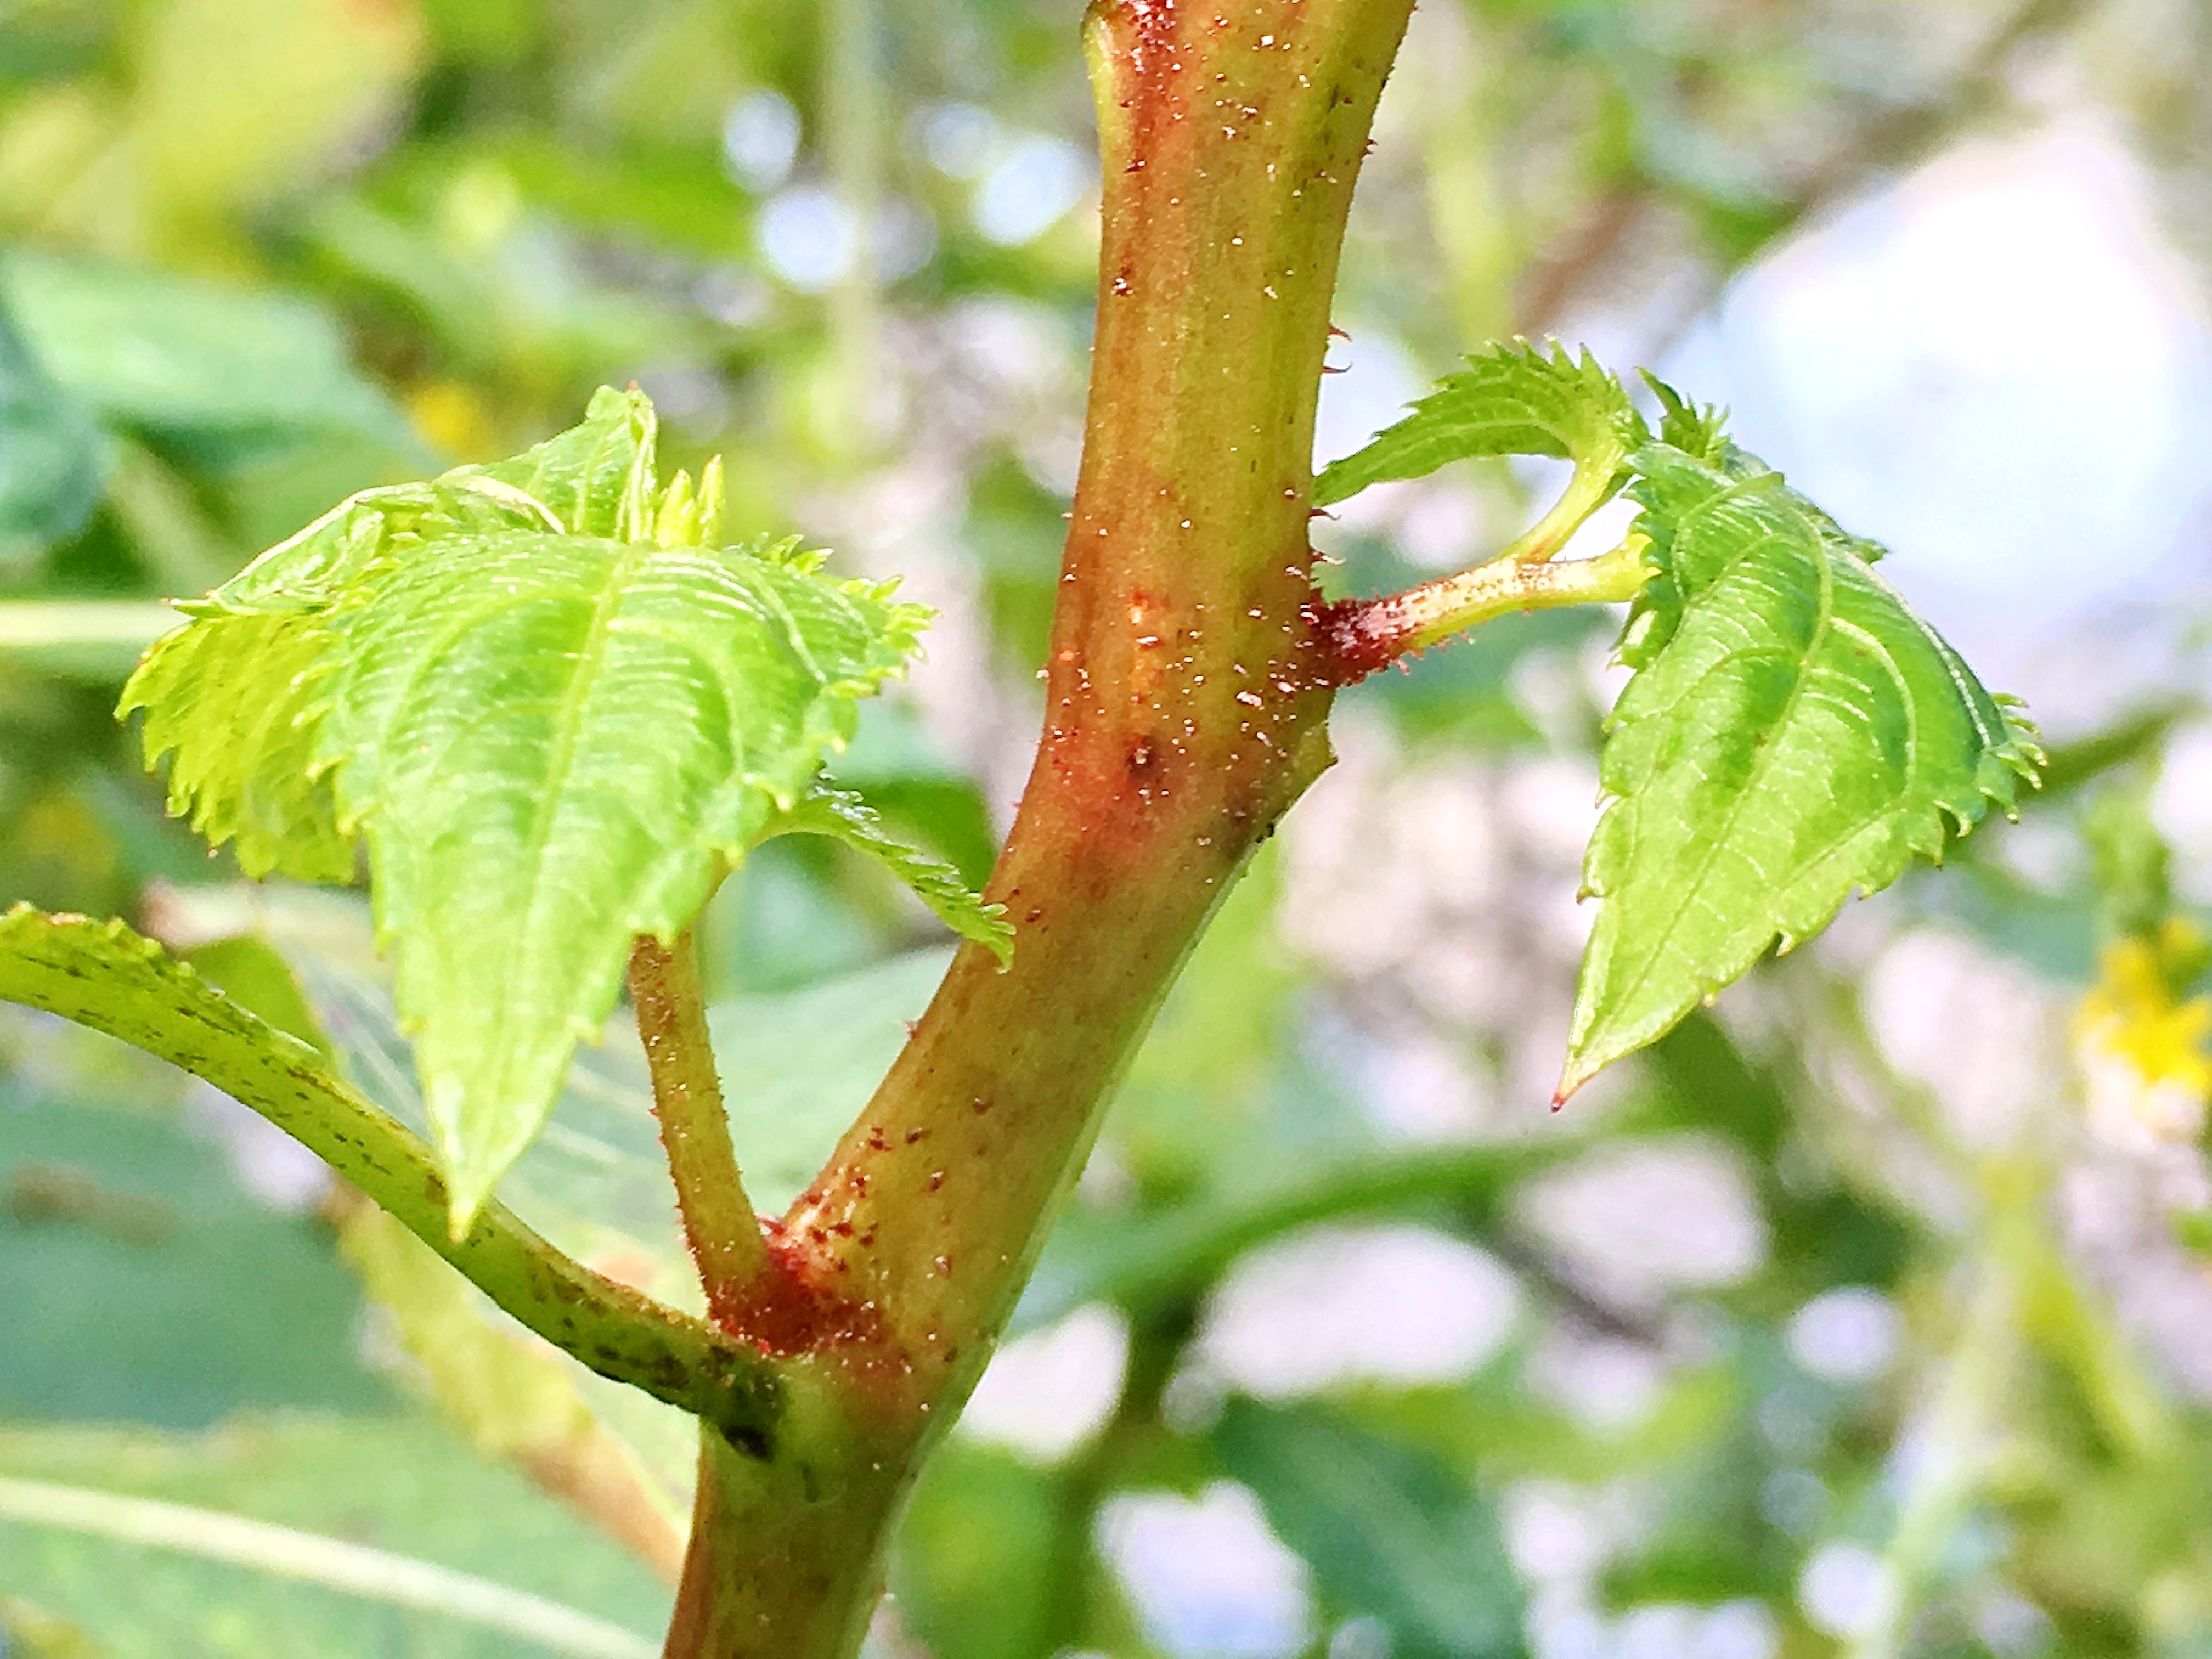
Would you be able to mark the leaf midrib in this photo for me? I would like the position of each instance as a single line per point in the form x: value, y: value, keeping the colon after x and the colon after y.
x: 1765, y: 749
x: 591, y: 659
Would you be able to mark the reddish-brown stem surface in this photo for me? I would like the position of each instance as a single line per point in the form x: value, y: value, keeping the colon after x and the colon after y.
x: 1360, y: 637
x: 1187, y: 693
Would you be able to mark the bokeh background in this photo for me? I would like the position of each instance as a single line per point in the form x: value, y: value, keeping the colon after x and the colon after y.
x: 1863, y: 1316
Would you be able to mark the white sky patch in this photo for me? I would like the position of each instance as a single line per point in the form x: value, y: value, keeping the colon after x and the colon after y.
x: 1849, y: 1335
x: 760, y: 140
x: 2181, y: 806
x: 1046, y: 1393
x: 1379, y: 378
x: 959, y: 139
x: 1030, y: 190
x: 1998, y: 367
x: 1637, y: 1219
x: 1207, y: 1578
x: 808, y: 238
x: 1844, y: 1590
x: 1400, y: 1304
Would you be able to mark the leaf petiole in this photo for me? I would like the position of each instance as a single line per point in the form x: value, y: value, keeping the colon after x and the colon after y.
x: 719, y: 1224
x: 1362, y: 635
x: 1590, y: 487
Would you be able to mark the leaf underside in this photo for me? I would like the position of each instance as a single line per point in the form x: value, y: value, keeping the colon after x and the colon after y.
x: 555, y: 715
x: 845, y: 817
x: 1792, y: 733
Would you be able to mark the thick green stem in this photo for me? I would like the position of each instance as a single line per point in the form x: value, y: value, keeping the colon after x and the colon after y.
x: 784, y: 1554
x: 1188, y: 689
x: 719, y: 1224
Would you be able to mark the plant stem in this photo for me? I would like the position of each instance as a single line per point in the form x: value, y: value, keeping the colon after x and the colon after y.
x: 1187, y: 693
x: 48, y: 624
x: 1173, y: 1256
x: 784, y: 1556
x: 719, y: 1224
x: 1952, y: 1447
x: 1157, y: 1344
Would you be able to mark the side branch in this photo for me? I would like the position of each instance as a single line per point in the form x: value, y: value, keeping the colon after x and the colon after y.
x: 1362, y: 635
x: 719, y: 1224
x: 103, y: 976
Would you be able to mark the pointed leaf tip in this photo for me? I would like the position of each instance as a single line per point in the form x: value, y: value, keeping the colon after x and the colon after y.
x: 1578, y: 1070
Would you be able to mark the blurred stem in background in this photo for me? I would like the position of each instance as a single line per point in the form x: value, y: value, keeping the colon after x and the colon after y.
x: 850, y: 423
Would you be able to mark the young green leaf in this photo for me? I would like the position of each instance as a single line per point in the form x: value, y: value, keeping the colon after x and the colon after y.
x: 238, y: 696
x: 553, y: 743
x: 1513, y: 398
x: 1698, y: 430
x: 1792, y: 731
x: 844, y: 816
x: 555, y: 715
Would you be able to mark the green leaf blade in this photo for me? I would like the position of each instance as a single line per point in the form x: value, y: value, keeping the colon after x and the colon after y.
x: 1513, y: 398
x: 844, y: 817
x: 596, y: 478
x: 337, y: 1536
x: 236, y: 701
x: 1792, y: 733
x: 180, y: 357
x: 1388, y: 1531
x: 237, y: 697
x: 554, y: 744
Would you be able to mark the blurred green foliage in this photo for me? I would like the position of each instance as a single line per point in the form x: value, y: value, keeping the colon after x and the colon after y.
x: 256, y: 254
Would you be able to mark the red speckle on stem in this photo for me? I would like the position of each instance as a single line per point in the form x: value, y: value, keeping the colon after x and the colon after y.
x: 789, y: 1309
x: 1357, y: 637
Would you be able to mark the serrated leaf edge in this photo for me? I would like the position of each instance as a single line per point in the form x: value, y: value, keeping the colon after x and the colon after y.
x: 2015, y: 752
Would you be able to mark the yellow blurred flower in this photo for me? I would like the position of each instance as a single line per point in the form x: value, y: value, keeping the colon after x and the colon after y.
x: 2142, y: 1046
x: 452, y: 417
